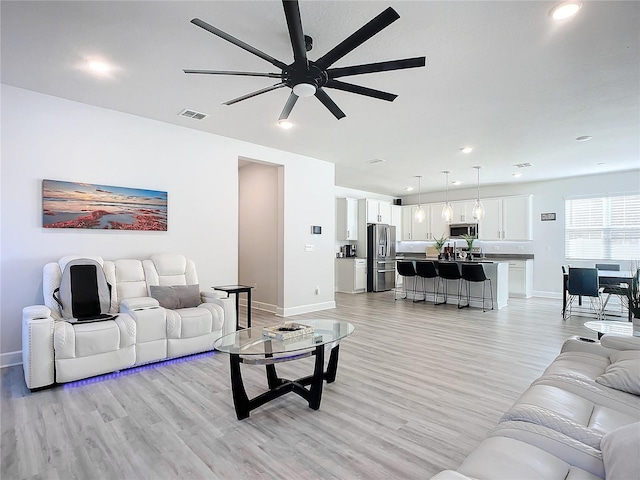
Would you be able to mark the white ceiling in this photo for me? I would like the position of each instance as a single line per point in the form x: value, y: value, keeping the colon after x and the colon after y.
x: 500, y: 76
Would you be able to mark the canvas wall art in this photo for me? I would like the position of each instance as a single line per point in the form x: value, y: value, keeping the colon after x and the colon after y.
x: 85, y: 205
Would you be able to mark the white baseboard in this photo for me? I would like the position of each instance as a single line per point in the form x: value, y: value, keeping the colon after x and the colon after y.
x: 314, y: 307
x: 11, y: 358
x: 266, y: 307
x: 538, y: 293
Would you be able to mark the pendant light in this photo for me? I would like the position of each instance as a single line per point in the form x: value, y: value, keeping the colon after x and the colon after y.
x: 447, y: 211
x: 478, y: 209
x: 419, y: 214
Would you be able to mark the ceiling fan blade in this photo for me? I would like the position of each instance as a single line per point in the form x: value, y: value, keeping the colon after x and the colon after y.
x: 243, y: 74
x: 330, y: 104
x: 294, y: 23
x: 239, y: 43
x: 356, y: 39
x: 360, y: 90
x: 253, y: 94
x: 377, y: 67
x: 291, y: 101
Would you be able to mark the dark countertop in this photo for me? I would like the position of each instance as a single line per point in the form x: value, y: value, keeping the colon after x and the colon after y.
x: 488, y: 256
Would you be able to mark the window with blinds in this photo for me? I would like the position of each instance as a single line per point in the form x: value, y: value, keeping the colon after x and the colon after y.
x: 603, y: 228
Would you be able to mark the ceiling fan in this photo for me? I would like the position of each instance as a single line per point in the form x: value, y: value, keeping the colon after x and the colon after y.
x: 306, y: 77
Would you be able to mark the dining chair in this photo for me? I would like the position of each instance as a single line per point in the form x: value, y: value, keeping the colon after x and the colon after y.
x: 405, y: 270
x: 426, y: 269
x: 583, y: 282
x: 612, y: 286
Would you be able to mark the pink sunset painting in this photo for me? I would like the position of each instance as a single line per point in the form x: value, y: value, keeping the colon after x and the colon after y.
x: 102, y: 207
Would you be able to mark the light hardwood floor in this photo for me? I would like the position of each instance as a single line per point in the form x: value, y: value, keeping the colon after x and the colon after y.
x: 418, y: 388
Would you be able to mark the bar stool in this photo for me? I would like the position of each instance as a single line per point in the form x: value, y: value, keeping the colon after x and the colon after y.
x: 425, y: 270
x: 474, y: 272
x: 406, y: 270
x: 448, y: 271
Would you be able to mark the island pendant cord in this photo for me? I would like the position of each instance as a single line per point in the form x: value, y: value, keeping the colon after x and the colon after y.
x: 447, y: 210
x: 419, y: 214
x: 478, y: 209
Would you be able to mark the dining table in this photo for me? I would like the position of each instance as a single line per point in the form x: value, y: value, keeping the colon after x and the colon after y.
x: 606, y: 278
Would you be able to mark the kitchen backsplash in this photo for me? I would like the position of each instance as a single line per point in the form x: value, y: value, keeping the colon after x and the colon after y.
x: 488, y: 247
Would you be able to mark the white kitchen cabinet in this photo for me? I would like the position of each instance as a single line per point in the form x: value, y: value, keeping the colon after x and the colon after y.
x: 517, y: 218
x: 351, y: 275
x: 439, y: 228
x: 521, y: 278
x: 347, y: 219
x: 377, y: 211
x: 396, y: 219
x: 463, y: 212
x: 412, y: 230
x: 490, y: 227
x: 507, y: 218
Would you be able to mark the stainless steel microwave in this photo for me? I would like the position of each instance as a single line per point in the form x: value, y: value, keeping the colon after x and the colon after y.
x: 457, y: 230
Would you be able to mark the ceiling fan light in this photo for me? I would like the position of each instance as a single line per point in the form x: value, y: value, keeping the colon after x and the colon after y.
x: 285, y: 124
x: 565, y: 10
x: 304, y: 90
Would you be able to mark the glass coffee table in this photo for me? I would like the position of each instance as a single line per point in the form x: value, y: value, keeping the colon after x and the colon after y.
x: 251, y: 347
x: 604, y: 327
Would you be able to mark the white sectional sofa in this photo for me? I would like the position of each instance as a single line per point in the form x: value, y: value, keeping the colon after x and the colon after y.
x: 579, y: 421
x: 54, y: 350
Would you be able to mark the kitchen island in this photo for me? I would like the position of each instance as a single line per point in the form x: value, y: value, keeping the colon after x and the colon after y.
x: 496, y: 270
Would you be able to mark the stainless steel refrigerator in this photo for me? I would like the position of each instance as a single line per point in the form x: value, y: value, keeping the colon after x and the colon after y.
x: 381, y: 257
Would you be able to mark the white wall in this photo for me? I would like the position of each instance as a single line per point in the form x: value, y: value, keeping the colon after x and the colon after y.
x: 52, y: 138
x: 548, y: 237
x: 258, y: 233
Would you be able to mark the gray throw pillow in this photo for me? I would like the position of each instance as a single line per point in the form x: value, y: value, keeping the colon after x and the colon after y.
x: 176, y: 296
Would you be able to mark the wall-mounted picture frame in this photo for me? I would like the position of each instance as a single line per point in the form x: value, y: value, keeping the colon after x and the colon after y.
x: 102, y: 207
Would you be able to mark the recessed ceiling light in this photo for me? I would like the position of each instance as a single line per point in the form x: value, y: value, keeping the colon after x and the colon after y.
x: 456, y: 182
x: 516, y: 175
x: 584, y: 138
x: 408, y: 189
x: 99, y: 67
x: 565, y: 10
x: 466, y: 149
x: 285, y: 124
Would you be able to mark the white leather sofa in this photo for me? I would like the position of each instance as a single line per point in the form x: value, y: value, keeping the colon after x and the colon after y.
x: 579, y: 421
x: 54, y: 350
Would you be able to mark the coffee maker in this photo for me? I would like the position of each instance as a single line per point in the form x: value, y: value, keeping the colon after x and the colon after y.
x: 348, y: 250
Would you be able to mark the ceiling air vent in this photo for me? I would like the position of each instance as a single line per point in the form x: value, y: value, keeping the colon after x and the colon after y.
x: 522, y: 165
x: 193, y: 114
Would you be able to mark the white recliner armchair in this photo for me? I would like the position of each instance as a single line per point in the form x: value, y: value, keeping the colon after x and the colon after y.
x: 188, y: 329
x: 54, y: 350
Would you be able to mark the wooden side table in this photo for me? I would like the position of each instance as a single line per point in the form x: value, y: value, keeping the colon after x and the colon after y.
x: 237, y: 290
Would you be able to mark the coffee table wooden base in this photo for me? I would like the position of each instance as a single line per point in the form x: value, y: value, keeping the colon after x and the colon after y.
x: 281, y: 386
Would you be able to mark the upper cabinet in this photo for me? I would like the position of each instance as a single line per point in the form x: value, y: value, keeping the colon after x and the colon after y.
x: 346, y: 219
x: 507, y: 218
x: 439, y: 227
x: 377, y: 211
x: 396, y: 219
x: 517, y: 218
x: 411, y: 229
x: 462, y: 212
